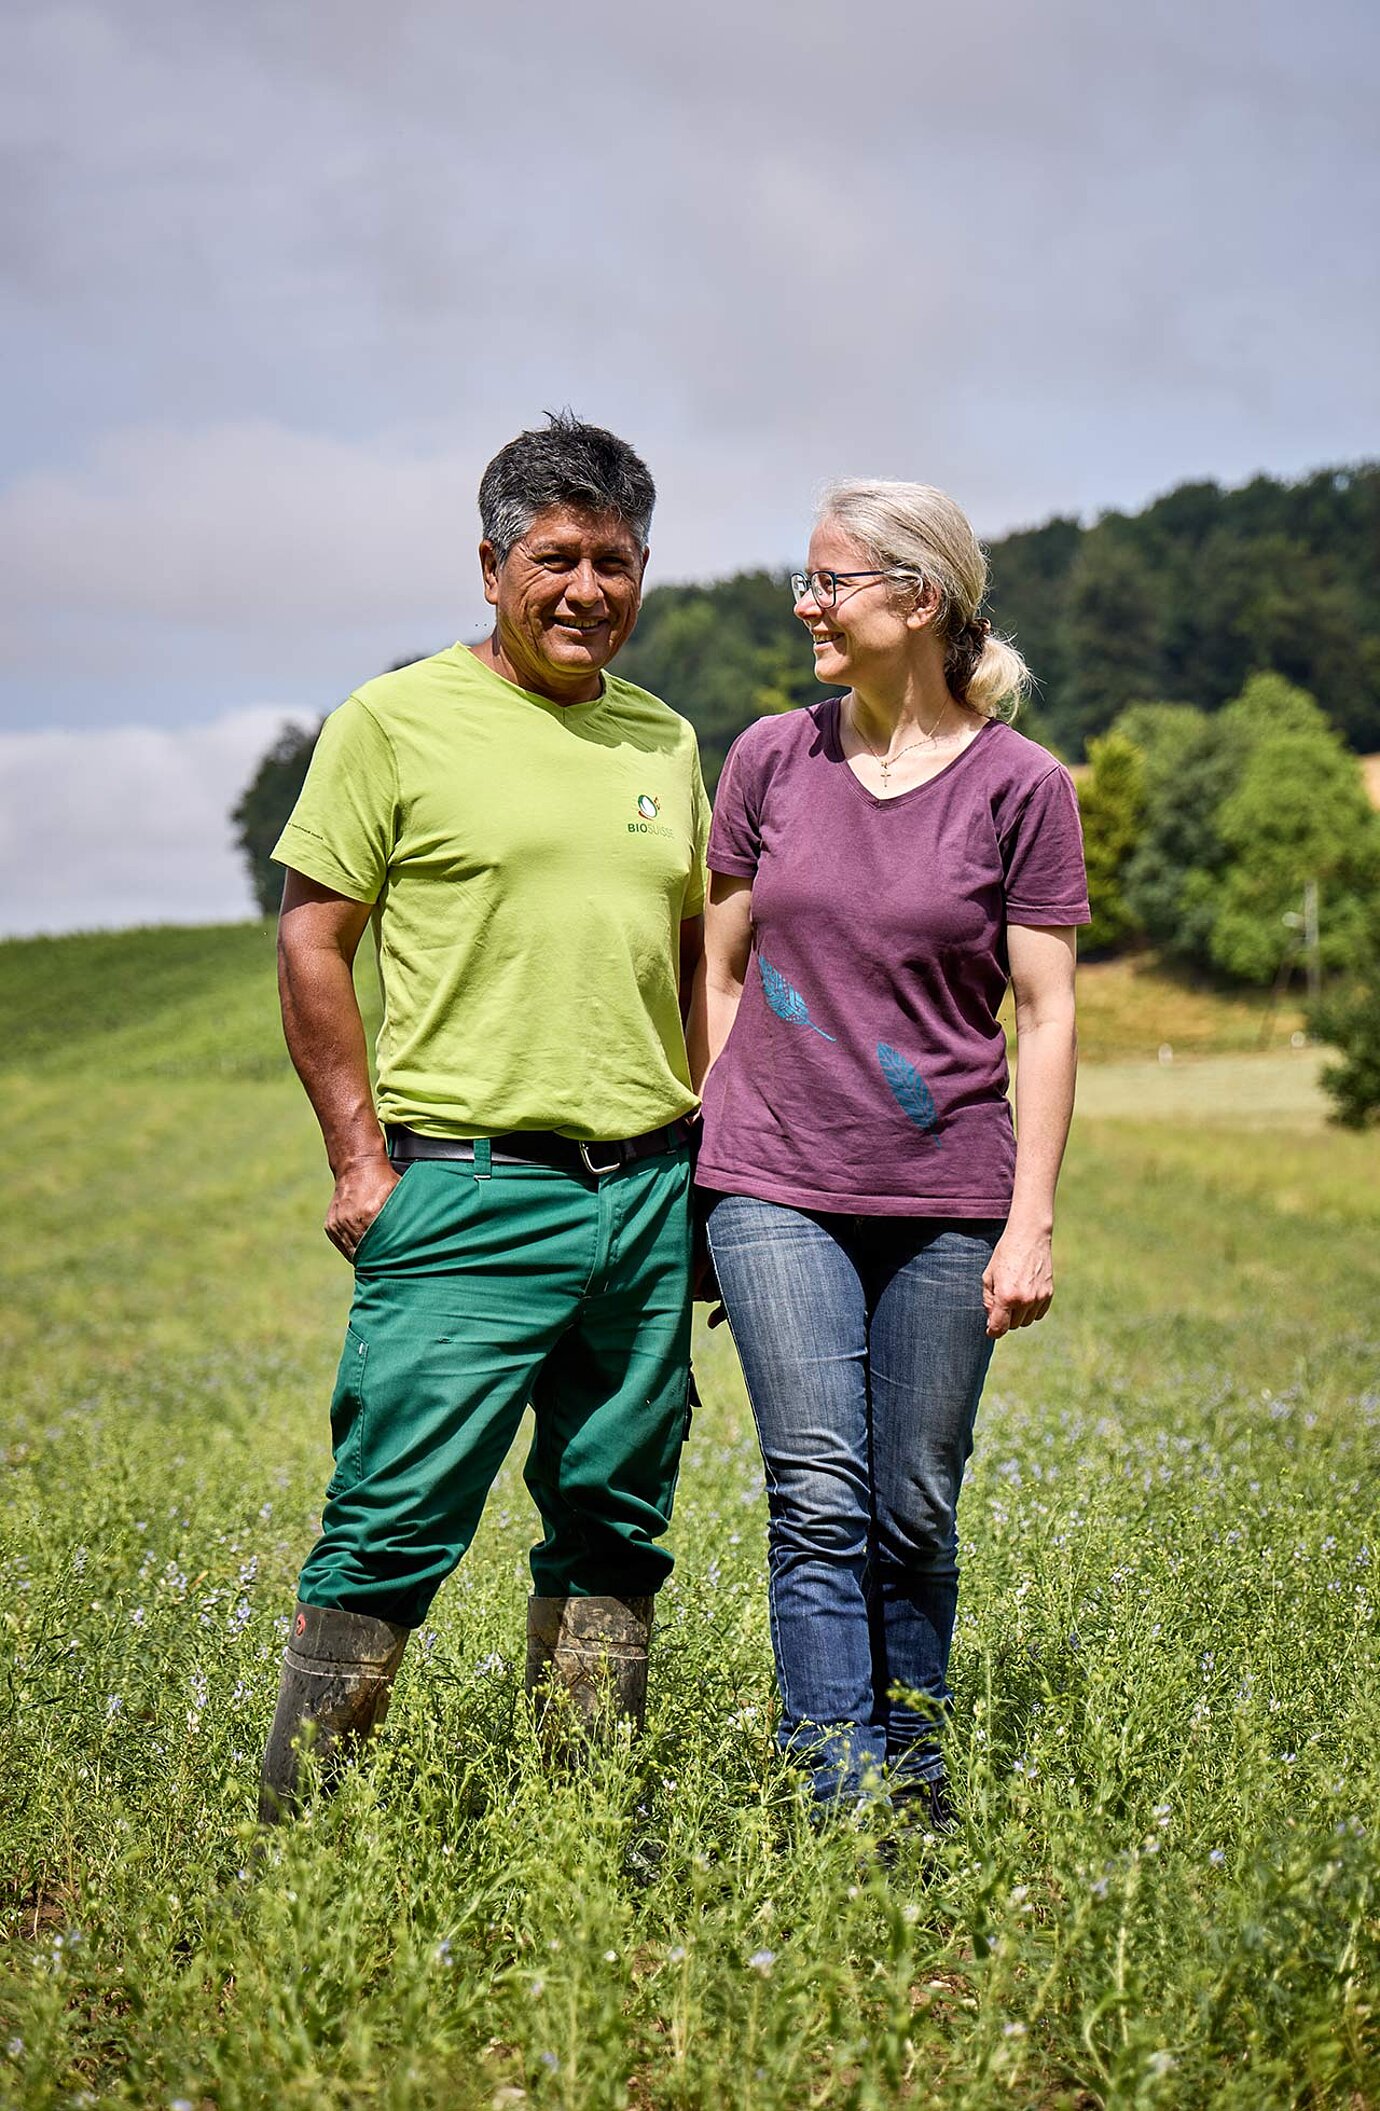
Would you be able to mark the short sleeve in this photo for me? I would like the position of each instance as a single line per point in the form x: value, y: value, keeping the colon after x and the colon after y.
x: 1042, y: 857
x: 735, y: 839
x: 342, y: 830
x: 695, y: 886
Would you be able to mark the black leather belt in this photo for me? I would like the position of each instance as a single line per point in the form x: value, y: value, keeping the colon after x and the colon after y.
x: 539, y: 1147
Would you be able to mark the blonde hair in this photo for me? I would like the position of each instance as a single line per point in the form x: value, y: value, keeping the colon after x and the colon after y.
x: 921, y: 534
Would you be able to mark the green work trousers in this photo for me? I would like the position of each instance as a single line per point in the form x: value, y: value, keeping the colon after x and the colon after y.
x: 474, y: 1294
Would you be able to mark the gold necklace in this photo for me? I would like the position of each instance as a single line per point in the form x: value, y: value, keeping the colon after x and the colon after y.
x: 889, y: 762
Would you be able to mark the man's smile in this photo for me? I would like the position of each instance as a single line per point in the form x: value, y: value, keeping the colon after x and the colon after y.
x: 567, y: 596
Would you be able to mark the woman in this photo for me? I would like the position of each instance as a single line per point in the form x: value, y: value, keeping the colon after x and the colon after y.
x: 881, y: 864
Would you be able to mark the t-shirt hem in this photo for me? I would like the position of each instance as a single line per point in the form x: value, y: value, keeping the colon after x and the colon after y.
x: 763, y: 1189
x: 1056, y: 914
x: 736, y: 868
x: 426, y: 1122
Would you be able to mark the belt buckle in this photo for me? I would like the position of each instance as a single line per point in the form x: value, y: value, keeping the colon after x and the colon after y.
x: 597, y: 1171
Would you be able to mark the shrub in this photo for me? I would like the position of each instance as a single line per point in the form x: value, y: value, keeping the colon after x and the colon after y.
x: 1349, y: 1018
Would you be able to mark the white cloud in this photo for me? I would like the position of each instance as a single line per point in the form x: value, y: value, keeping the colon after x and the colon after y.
x: 128, y: 826
x: 251, y: 527
x: 274, y: 293
x: 239, y: 524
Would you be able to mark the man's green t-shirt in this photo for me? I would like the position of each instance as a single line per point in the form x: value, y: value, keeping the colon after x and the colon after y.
x: 530, y: 865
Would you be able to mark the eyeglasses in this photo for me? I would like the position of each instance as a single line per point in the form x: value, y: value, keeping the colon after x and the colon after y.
x: 823, y: 587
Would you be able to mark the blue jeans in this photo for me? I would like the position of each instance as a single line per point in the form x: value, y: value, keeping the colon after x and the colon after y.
x: 864, y: 1345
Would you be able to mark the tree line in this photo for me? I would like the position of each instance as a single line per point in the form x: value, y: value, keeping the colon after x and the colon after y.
x: 1214, y: 657
x: 1181, y: 602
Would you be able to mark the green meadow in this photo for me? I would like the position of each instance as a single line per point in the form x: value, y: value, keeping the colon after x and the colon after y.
x: 1165, y: 1888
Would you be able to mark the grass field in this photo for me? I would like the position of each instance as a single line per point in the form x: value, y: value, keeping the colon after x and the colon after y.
x: 1166, y: 1888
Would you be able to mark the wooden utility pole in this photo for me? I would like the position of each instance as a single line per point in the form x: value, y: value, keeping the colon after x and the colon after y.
x: 1303, y: 930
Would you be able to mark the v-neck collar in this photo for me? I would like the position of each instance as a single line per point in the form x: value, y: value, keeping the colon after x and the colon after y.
x: 833, y: 745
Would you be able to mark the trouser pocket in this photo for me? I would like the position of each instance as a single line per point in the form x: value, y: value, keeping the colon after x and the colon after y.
x: 347, y: 1411
x: 379, y: 1225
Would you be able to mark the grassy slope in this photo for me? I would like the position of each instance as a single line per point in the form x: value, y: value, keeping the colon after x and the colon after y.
x: 142, y: 1003
x: 1167, y: 1657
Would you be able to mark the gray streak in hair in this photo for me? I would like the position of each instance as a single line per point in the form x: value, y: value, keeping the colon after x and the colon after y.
x: 564, y: 463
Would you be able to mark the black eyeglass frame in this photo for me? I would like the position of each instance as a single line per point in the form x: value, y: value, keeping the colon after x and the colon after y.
x: 803, y: 583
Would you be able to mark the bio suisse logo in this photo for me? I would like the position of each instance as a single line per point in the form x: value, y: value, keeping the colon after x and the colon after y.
x: 647, y: 823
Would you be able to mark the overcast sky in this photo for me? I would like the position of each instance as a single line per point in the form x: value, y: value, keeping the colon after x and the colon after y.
x: 278, y: 279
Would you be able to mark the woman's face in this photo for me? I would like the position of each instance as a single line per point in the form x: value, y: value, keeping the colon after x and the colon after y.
x: 868, y: 630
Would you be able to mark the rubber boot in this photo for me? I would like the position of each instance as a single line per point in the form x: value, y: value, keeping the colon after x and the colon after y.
x: 337, y: 1677
x: 587, y: 1665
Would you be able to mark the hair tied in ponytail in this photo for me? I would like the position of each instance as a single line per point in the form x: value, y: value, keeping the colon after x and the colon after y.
x: 915, y: 529
x: 966, y: 647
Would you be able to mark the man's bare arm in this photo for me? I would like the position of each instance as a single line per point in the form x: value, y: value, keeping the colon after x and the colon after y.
x: 318, y: 936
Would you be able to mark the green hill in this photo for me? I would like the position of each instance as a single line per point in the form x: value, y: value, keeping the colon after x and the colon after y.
x: 144, y: 1003
x: 168, y: 1001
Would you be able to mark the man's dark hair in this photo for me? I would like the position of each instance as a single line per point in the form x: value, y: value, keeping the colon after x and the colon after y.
x: 568, y: 463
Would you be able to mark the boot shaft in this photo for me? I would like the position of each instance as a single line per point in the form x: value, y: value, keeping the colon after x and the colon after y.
x: 336, y: 1681
x: 590, y: 1655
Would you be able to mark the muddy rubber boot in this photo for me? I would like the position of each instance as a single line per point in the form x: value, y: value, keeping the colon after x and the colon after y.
x: 337, y: 1676
x: 587, y: 1665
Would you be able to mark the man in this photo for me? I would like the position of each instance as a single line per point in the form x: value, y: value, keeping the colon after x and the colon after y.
x: 526, y: 834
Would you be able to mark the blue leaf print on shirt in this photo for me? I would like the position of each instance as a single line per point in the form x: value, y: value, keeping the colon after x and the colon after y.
x: 911, y: 1093
x: 787, y: 1003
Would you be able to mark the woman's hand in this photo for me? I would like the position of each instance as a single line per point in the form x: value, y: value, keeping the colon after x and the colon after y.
x: 1018, y: 1282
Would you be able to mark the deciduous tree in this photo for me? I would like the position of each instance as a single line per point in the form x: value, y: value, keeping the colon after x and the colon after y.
x: 264, y: 806
x: 1112, y: 799
x: 1298, y: 812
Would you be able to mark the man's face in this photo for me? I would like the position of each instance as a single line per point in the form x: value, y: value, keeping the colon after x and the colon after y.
x: 567, y: 597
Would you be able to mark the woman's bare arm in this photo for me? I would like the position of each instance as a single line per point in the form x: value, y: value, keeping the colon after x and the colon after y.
x: 1019, y: 1283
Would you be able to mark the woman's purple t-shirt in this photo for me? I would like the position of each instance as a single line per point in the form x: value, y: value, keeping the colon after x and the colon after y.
x: 866, y: 1071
